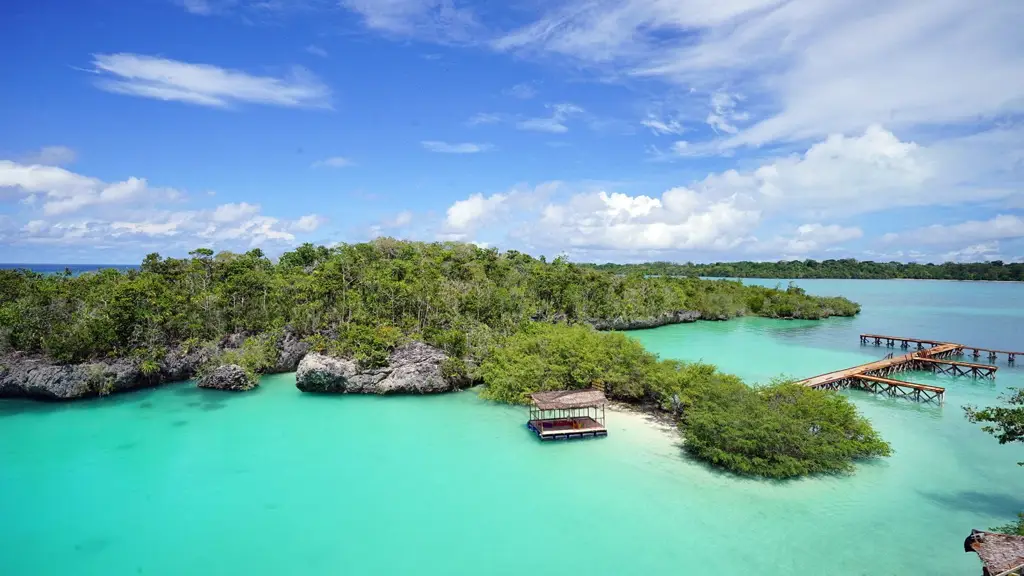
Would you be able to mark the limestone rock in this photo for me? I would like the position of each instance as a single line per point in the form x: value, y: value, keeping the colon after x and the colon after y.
x: 413, y: 368
x: 663, y: 319
x: 228, y: 377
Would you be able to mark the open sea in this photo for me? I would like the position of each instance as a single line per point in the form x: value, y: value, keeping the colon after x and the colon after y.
x: 178, y: 480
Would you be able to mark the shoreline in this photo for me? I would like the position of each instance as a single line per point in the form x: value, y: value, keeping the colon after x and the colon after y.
x: 652, y: 418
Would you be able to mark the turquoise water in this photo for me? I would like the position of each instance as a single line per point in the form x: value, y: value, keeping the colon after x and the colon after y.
x: 179, y: 480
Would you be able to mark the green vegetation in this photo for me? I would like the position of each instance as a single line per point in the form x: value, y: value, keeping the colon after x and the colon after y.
x: 519, y: 323
x: 777, y: 431
x: 358, y: 300
x: 1006, y: 423
x: 841, y: 269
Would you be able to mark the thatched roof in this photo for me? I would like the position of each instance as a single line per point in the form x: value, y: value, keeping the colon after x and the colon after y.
x: 564, y: 399
x: 999, y: 553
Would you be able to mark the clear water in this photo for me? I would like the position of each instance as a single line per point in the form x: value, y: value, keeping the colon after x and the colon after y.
x: 179, y: 480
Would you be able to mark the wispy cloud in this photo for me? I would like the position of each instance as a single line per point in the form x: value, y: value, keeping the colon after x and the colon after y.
x: 333, y: 162
x: 437, y: 20
x: 662, y: 125
x: 51, y: 156
x: 555, y: 123
x: 205, y: 84
x: 316, y: 51
x: 460, y: 148
x: 523, y: 91
x: 484, y: 118
x: 814, y: 68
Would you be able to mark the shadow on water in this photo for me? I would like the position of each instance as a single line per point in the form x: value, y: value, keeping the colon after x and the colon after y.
x: 179, y: 423
x: 980, y: 502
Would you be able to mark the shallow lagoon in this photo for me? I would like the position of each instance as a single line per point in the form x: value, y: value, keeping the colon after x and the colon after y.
x: 178, y: 480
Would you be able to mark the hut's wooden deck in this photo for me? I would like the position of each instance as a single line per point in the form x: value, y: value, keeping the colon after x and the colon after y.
x: 563, y: 428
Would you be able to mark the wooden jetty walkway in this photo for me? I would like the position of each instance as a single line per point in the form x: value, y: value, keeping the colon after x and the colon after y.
x: 976, y: 351
x: 930, y: 355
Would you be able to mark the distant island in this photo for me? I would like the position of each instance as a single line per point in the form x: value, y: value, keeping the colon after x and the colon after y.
x: 392, y: 316
x: 844, y: 269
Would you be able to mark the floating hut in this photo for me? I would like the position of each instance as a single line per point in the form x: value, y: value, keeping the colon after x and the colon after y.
x: 565, y: 414
x: 1001, y: 554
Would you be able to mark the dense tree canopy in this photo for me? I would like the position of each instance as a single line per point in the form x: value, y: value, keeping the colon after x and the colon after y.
x: 356, y: 299
x: 842, y: 269
x: 780, y: 431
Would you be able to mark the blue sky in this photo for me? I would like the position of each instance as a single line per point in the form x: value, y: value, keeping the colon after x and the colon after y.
x: 632, y: 130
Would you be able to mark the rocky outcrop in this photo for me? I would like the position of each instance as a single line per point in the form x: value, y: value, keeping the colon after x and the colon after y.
x: 663, y: 319
x: 414, y: 368
x: 228, y: 377
x: 37, y: 377
x: 290, y: 351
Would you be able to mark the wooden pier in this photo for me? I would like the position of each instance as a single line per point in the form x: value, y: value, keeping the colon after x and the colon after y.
x: 890, y: 341
x: 930, y: 355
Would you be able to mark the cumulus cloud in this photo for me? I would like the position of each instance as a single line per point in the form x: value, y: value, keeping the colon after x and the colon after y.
x: 452, y: 148
x: 205, y: 84
x: 680, y: 219
x: 807, y: 238
x: 76, y: 210
x: 1001, y: 227
x: 470, y: 213
x: 60, y: 191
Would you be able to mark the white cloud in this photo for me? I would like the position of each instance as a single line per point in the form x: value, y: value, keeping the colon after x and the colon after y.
x: 662, y: 126
x: 470, y: 213
x: 63, y: 192
x: 76, y: 210
x: 438, y: 20
x: 316, y: 51
x: 1001, y: 227
x: 308, y: 223
x: 523, y: 91
x: 51, y: 156
x: 973, y: 253
x: 403, y: 218
x: 235, y: 212
x: 723, y: 113
x: 200, y: 7
x: 680, y: 219
x: 839, y: 176
x: 554, y: 124
x: 205, y: 84
x: 451, y: 148
x: 808, y: 238
x: 814, y: 67
x: 484, y: 118
x: 333, y: 162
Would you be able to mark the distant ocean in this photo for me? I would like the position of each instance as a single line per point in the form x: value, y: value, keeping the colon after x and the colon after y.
x: 75, y: 269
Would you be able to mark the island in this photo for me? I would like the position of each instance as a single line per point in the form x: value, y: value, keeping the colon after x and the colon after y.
x: 392, y: 316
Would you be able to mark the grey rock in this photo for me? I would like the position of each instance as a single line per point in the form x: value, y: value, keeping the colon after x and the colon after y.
x: 290, y: 351
x: 664, y: 319
x: 413, y: 368
x: 228, y: 377
x: 36, y: 377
